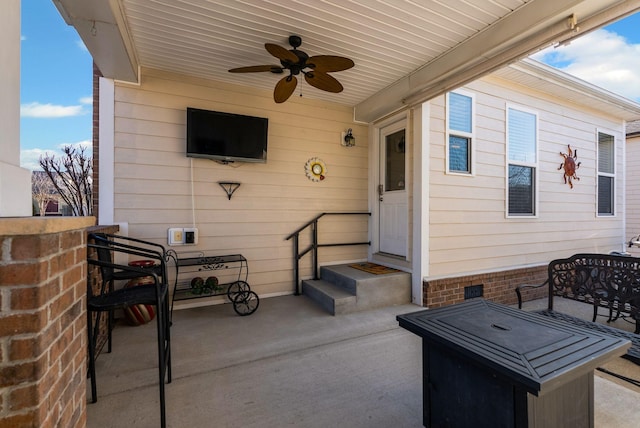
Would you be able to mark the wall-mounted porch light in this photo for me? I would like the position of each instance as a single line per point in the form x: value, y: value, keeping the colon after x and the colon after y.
x: 348, y: 140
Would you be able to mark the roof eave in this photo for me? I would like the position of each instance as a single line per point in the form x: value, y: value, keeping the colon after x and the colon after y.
x: 102, y: 27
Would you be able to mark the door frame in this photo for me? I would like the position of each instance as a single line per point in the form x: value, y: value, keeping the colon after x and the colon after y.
x: 417, y: 120
x: 374, y: 180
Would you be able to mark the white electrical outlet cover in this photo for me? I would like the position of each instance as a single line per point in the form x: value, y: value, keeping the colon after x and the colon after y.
x: 175, y: 236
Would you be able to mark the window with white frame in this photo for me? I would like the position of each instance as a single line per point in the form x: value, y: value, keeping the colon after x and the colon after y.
x: 522, y: 148
x: 606, y: 174
x: 459, y: 132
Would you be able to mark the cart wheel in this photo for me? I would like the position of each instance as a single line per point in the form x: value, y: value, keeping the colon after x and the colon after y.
x: 246, y: 303
x: 236, y: 288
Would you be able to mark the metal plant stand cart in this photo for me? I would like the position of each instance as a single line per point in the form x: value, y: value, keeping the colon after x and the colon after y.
x: 487, y: 365
x: 199, y: 275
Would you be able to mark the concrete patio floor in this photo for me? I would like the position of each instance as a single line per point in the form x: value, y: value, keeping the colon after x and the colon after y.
x: 291, y: 364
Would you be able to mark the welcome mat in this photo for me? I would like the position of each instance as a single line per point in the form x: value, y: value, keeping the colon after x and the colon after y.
x: 373, y: 268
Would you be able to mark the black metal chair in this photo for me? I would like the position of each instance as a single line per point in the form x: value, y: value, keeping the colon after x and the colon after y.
x: 110, y: 275
x: 108, y: 299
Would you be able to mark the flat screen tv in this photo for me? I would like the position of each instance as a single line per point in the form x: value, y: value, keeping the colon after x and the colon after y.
x: 225, y: 136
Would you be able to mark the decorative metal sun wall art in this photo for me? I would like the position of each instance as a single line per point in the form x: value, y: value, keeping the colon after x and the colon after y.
x: 315, y: 169
x: 569, y: 165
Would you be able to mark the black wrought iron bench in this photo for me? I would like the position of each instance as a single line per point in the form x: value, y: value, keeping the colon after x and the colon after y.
x: 601, y: 280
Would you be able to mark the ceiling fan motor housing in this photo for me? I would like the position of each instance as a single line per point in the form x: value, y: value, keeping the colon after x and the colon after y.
x: 295, y: 41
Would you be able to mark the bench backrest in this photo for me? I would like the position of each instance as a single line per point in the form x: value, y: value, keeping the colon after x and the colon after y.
x: 589, y: 277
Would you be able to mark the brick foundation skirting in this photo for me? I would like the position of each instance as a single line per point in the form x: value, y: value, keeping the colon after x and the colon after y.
x: 498, y: 287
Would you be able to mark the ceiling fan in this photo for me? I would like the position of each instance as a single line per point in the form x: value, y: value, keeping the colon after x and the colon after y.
x: 315, y: 69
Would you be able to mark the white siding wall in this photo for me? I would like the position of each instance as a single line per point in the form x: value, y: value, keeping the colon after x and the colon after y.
x: 15, y: 182
x: 153, y: 186
x: 633, y: 191
x: 469, y: 231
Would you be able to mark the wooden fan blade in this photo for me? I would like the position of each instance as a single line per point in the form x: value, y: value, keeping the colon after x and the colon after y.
x: 284, y: 89
x: 257, y: 68
x: 323, y: 81
x: 329, y: 63
x: 281, y: 53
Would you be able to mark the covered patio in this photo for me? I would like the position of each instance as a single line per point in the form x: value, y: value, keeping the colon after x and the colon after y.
x: 291, y: 364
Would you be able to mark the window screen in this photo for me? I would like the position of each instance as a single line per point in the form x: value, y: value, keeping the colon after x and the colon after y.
x: 459, y: 112
x: 522, y: 146
x: 522, y: 136
x: 460, y: 130
x: 606, y: 174
x: 521, y: 181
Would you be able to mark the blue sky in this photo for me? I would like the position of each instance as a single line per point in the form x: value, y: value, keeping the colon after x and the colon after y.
x: 56, y: 84
x: 57, y: 75
x: 609, y: 57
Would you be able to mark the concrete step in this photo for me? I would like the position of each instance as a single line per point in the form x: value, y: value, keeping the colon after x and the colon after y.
x: 343, y: 289
x: 333, y: 298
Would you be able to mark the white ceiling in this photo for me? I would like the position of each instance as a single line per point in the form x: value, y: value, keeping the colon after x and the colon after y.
x: 403, y: 49
x: 386, y: 40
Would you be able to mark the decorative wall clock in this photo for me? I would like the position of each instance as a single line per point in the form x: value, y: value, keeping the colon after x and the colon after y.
x: 315, y: 169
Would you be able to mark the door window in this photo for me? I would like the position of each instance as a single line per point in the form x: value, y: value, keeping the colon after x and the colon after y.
x: 395, y: 152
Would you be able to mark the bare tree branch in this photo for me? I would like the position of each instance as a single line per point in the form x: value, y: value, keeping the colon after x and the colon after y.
x: 40, y: 190
x: 71, y: 176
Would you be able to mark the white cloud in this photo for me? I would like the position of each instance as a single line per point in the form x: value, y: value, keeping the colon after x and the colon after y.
x: 86, y: 100
x: 30, y: 158
x: 602, y: 58
x: 87, y: 144
x: 38, y: 110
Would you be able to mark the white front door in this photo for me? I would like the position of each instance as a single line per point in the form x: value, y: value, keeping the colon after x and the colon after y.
x: 392, y: 193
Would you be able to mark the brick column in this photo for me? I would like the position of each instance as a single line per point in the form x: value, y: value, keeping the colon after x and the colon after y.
x: 96, y: 141
x: 43, y: 321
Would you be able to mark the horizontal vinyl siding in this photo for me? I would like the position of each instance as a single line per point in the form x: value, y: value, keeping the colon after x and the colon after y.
x: 633, y: 191
x: 469, y: 231
x: 153, y: 187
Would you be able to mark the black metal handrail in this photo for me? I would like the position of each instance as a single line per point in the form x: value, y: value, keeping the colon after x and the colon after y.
x: 297, y: 254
